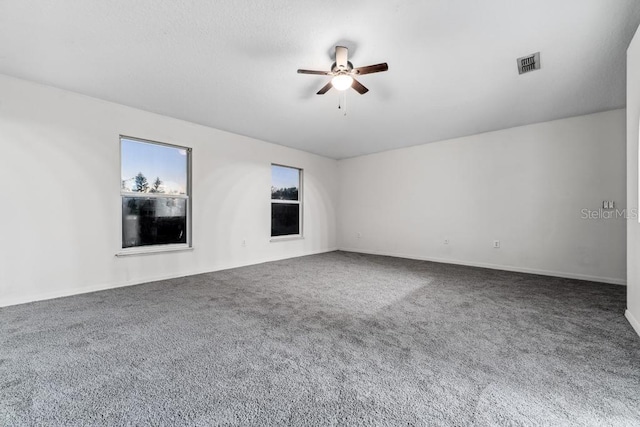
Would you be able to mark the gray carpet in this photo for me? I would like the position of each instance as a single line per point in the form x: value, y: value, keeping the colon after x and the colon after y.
x: 332, y: 339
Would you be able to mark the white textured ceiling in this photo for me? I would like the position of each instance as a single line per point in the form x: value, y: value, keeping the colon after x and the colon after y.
x: 231, y: 64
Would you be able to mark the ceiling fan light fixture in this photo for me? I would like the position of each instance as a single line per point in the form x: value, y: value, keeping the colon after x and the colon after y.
x: 342, y: 72
x: 342, y: 81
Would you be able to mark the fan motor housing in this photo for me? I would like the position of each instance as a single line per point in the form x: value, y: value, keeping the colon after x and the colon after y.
x: 336, y: 69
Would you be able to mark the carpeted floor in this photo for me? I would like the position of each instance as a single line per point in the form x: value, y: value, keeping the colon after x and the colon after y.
x: 331, y: 339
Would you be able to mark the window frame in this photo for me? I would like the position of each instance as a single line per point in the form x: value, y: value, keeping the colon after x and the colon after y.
x: 157, y: 248
x: 299, y: 202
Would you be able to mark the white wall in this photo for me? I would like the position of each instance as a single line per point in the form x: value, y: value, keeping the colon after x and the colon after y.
x: 524, y: 186
x: 60, y: 213
x: 633, y: 227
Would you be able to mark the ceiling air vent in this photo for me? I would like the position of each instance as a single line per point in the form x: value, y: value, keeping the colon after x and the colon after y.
x: 529, y: 63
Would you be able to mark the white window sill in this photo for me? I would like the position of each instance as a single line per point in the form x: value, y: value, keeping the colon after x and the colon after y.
x: 147, y: 250
x: 287, y: 238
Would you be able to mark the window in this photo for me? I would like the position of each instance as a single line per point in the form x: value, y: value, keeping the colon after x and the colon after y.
x: 286, y: 201
x: 155, y: 193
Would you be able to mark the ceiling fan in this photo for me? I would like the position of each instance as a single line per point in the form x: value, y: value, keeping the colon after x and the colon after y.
x: 343, y: 74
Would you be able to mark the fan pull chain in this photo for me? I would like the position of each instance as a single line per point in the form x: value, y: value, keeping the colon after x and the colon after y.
x: 342, y: 102
x: 345, y: 102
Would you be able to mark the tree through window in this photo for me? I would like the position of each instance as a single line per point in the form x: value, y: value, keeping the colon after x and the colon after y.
x: 155, y: 193
x: 286, y: 201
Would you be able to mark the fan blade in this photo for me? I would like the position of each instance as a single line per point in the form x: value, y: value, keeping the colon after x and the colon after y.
x: 324, y: 89
x: 322, y: 73
x: 371, y: 69
x: 359, y: 87
x: 341, y: 56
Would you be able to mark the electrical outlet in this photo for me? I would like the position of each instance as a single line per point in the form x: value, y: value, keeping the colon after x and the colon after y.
x: 446, y: 241
x: 496, y: 244
x: 244, y: 242
x: 359, y: 235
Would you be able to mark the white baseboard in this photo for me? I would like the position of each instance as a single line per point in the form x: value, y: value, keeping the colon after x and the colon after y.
x: 103, y: 287
x: 609, y: 280
x: 85, y: 290
x: 634, y: 322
